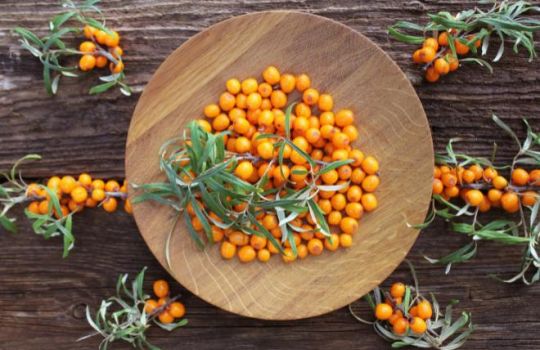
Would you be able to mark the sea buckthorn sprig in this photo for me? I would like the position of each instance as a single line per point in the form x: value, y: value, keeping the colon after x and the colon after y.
x: 130, y: 313
x: 262, y: 178
x: 447, y: 39
x: 480, y: 186
x: 405, y: 317
x: 101, y: 49
x: 51, y: 206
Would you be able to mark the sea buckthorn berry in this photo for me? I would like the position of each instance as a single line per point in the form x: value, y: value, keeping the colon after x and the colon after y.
x: 325, y: 206
x: 112, y: 186
x: 233, y: 86
x: 112, y: 39
x: 161, y: 288
x: 98, y: 194
x: 253, y: 101
x: 369, y: 202
x: 397, y: 290
x: 427, y: 54
x: 212, y: 110
x: 265, y: 150
x: 165, y: 317
x: 354, y: 210
x: 432, y: 75
x: 263, y: 255
x: 221, y: 122
x: 53, y: 183
x: 116, y: 68
x: 449, y: 179
x: 338, y: 202
x: 303, y: 82
x: 242, y: 145
x: 87, y: 47
x: 101, y: 36
x: 345, y: 240
x: 500, y: 182
x: 301, y: 124
x: 313, y: 135
x: 88, y: 31
x: 266, y: 118
x: 271, y: 75
x: 330, y: 177
x: 249, y: 86
x: 270, y: 222
x: 332, y: 243
x: 287, y: 83
x: 326, y: 102
x: 116, y: 51
x: 354, y: 194
x: 520, y: 177
x: 344, y: 118
x: 33, y: 207
x: 315, y: 246
x: 110, y: 204
x: 257, y: 242
x: 424, y: 310
x: 44, y: 207
x: 278, y: 99
x: 442, y: 66
x: 431, y: 42
x: 383, y: 311
x: 468, y: 176
x: 443, y: 39
x: 177, y: 309
x: 150, y: 305
x: 281, y: 173
x: 528, y: 198
x: 297, y: 158
x: 244, y: 170
x: 101, y: 61
x: 246, y: 254
x: 67, y: 184
x: 453, y: 62
x: 334, y: 218
x: 351, y: 131
x: 302, y: 110
x: 534, y: 177
x: 205, y: 125
x: 265, y: 90
x: 494, y: 195
x: 438, y: 186
x: 85, y: 179
x: 348, y: 225
x: 310, y: 96
x: 489, y: 174
x: 461, y: 48
x: 340, y: 140
x: 417, y: 56
x: 241, y: 101
x: 418, y: 325
x: 370, y: 183
x: 510, y: 202
x: 474, y: 197
x: 344, y: 171
x: 327, y: 118
x: 238, y: 238
x: 288, y: 255
x: 227, y: 101
x: 241, y: 126
x: 98, y: 184
x: 370, y: 165
x: 357, y: 156
x: 227, y: 250
x: 87, y: 62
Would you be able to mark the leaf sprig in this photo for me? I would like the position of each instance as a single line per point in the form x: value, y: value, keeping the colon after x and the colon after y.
x: 122, y: 317
x: 14, y: 191
x: 443, y: 332
x: 525, y: 232
x: 475, y: 29
x: 198, y: 168
x: 52, y: 48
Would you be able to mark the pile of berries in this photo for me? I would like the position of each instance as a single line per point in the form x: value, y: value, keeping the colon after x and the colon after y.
x: 100, y: 49
x: 415, y: 319
x: 438, y: 57
x: 250, y: 108
x: 167, y: 309
x: 76, y: 194
x: 485, y: 188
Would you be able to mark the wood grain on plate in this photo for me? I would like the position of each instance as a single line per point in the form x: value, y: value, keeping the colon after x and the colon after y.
x: 393, y: 128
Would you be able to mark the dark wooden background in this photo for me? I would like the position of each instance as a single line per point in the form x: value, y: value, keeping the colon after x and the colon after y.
x: 42, y: 295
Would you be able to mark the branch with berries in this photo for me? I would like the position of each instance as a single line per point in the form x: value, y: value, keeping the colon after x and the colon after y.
x: 101, y: 49
x: 447, y: 40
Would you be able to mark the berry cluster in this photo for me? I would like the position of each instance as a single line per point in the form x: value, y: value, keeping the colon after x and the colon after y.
x: 438, y: 57
x: 250, y: 111
x: 414, y: 319
x: 168, y: 309
x: 101, y: 49
x: 485, y: 188
x: 76, y: 194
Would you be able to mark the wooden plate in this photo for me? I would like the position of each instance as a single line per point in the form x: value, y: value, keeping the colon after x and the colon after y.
x: 393, y: 128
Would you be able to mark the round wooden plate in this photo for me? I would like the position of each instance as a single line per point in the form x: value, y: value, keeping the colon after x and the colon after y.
x: 393, y: 128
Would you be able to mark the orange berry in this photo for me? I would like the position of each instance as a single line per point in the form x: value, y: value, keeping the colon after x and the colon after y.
x: 227, y: 101
x: 354, y: 194
x: 313, y: 135
x: 87, y: 62
x: 354, y: 210
x: 334, y: 218
x: 33, y: 207
x: 500, y: 182
x: 443, y: 39
x: 161, y: 288
x: 221, y: 122
x: 344, y: 118
x: 330, y: 177
x: 332, y: 243
x: 101, y: 36
x: 242, y: 145
x: 345, y: 240
x: 266, y: 118
x: 265, y: 90
x: 417, y: 56
x: 281, y: 173
x: 338, y: 201
x: 300, y: 125
x: 87, y: 47
x: 315, y: 246
x: 249, y: 86
x: 351, y: 132
x: 67, y: 184
x: 400, y: 326
x: 246, y: 254
x: 150, y: 305
x: 438, y: 186
x: 424, y: 310
x: 113, y: 39
x: 534, y: 177
x: 116, y: 68
x: 263, y: 255
x: 449, y: 179
x: 110, y: 204
x: 340, y: 140
x: 165, y: 317
x: 265, y: 150
x: 303, y: 82
x: 310, y: 96
x: 397, y: 290
x: 116, y: 51
x: 383, y: 311
x: 370, y: 183
x: 253, y: 101
x: 427, y: 54
x: 227, y: 250
x: 278, y: 99
x: 432, y: 75
x: 348, y: 225
x: 271, y: 75
x: 325, y: 103
x: 520, y: 177
x: 177, y: 309
x: 370, y: 165
x: 489, y: 174
x: 241, y: 100
x: 442, y: 66
x: 468, y: 176
x: 510, y: 202
x: 453, y: 62
x: 212, y: 110
x: 327, y: 118
x: 233, y: 86
x: 528, y: 198
x: 244, y: 170
x: 287, y: 83
x: 101, y: 61
x: 369, y: 202
x: 474, y: 197
x: 418, y: 325
x: 44, y: 207
x: 461, y: 48
x: 431, y: 42
x: 89, y: 31
x: 494, y: 195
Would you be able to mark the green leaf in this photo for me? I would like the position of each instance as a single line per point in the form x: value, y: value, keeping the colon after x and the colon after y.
x: 28, y: 35
x: 8, y: 224
x: 98, y: 89
x: 408, y: 39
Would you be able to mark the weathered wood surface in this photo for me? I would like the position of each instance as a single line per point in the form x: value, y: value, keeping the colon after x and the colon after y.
x: 41, y: 295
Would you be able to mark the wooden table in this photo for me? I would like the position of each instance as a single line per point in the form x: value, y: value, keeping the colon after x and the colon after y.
x: 42, y: 295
